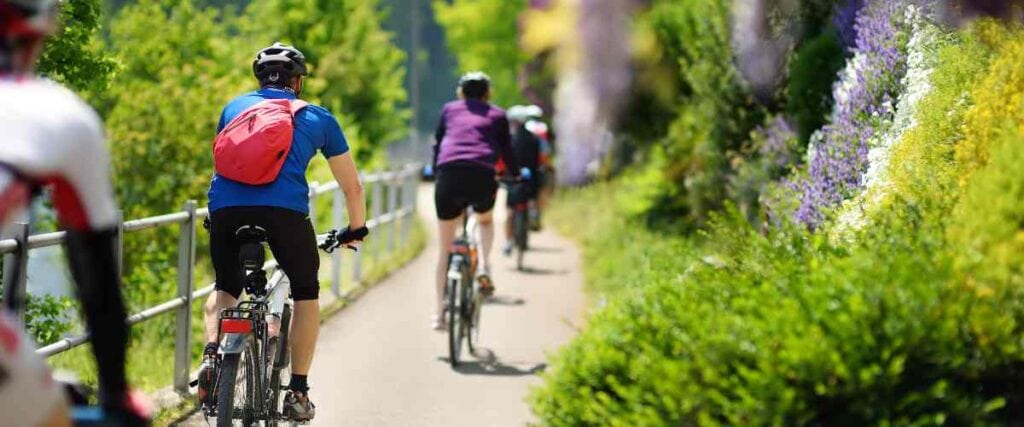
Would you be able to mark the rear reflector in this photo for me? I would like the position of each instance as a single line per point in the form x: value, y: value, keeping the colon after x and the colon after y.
x: 235, y: 326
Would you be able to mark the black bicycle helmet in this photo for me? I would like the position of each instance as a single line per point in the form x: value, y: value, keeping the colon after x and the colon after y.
x: 475, y: 84
x: 278, y: 64
x: 21, y: 19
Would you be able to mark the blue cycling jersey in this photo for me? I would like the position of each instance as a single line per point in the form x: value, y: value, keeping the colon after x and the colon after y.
x: 315, y: 129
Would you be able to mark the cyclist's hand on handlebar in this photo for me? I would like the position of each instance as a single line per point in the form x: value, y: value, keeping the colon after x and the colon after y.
x: 346, y: 237
x: 525, y: 174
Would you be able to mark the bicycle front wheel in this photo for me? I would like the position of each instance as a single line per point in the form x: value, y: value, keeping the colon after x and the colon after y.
x: 520, y: 226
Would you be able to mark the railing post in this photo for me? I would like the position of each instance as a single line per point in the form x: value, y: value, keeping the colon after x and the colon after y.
x: 414, y: 191
x: 16, y: 273
x: 392, y: 208
x: 377, y: 204
x: 357, y: 267
x: 408, y: 189
x: 337, y: 205
x: 183, y: 329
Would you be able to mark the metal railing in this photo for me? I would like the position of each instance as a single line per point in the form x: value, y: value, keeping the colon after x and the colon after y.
x: 392, y: 199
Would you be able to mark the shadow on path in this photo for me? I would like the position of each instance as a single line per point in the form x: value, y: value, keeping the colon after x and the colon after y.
x: 489, y: 364
x: 504, y: 300
x: 542, y: 271
x: 546, y: 250
x: 186, y: 417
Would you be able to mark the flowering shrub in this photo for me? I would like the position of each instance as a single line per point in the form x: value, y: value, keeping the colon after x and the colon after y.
x: 771, y: 151
x: 914, y: 320
x: 864, y: 97
x: 785, y: 329
x: 921, y: 60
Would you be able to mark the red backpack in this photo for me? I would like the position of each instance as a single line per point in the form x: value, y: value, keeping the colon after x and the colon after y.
x: 253, y: 147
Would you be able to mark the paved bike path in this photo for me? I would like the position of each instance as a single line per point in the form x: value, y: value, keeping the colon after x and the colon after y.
x: 378, y: 363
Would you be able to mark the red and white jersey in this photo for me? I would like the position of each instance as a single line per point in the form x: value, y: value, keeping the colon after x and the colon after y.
x: 28, y: 393
x: 49, y: 136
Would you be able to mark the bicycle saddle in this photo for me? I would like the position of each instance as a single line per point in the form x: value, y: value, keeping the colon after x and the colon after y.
x: 251, y: 233
x: 250, y: 253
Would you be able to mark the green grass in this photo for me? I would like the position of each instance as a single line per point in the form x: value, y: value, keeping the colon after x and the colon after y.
x: 619, y: 252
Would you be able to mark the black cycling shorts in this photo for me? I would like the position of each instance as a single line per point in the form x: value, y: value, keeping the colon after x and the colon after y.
x: 291, y: 239
x: 522, y: 192
x: 461, y: 186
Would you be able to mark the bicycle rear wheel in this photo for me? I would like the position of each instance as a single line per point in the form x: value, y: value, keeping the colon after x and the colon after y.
x: 454, y: 324
x: 520, y: 227
x: 237, y: 388
x: 280, y: 371
x: 474, y: 302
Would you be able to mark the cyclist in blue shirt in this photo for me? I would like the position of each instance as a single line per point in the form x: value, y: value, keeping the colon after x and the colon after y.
x: 282, y: 209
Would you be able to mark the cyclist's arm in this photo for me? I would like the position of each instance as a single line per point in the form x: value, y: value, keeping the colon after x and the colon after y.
x: 442, y: 127
x: 344, y: 170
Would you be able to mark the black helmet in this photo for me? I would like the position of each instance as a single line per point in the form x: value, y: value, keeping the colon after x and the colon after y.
x: 278, y: 64
x: 475, y: 84
x: 28, y: 18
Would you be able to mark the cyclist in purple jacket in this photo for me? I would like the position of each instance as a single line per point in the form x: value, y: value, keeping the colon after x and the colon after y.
x: 470, y: 137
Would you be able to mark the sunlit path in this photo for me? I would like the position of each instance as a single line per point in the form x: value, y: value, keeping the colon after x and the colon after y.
x: 379, y: 364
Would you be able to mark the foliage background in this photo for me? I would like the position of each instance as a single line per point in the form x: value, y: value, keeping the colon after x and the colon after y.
x: 159, y: 71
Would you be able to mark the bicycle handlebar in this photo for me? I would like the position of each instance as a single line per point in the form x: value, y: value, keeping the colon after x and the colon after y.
x: 346, y: 237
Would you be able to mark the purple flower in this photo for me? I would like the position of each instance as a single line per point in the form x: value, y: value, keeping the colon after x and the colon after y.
x: 844, y: 18
x: 775, y: 147
x: 864, y: 98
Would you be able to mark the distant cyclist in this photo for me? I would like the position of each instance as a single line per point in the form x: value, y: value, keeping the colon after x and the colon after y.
x: 546, y: 170
x: 471, y: 136
x: 51, y: 138
x: 280, y: 205
x: 526, y: 147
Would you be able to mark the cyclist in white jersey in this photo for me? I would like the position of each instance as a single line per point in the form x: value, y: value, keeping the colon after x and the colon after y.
x: 51, y: 138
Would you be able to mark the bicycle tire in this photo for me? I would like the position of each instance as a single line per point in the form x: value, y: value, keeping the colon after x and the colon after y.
x: 454, y: 317
x: 255, y: 368
x: 520, y: 224
x: 226, y: 389
x: 280, y: 371
x: 475, y: 304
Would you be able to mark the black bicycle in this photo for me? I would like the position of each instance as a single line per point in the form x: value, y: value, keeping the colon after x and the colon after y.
x: 254, y: 363
x: 518, y: 192
x: 462, y: 300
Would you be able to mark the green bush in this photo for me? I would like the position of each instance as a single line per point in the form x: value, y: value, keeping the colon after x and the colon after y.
x: 812, y: 70
x: 785, y: 329
x: 48, y: 317
x: 914, y: 319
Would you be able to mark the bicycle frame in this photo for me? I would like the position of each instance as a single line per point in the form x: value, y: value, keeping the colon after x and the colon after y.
x: 461, y: 299
x: 247, y: 322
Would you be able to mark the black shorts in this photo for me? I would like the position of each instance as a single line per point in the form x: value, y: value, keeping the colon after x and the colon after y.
x: 461, y: 186
x: 522, y: 192
x: 291, y: 239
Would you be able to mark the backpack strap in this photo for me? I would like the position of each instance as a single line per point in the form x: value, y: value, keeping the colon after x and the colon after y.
x: 298, y: 105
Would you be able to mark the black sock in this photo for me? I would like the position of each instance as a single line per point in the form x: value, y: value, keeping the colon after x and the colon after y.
x: 299, y: 383
x: 211, y: 349
x: 93, y: 264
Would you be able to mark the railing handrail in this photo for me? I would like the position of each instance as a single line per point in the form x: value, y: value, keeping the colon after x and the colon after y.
x: 37, y: 241
x: 401, y: 180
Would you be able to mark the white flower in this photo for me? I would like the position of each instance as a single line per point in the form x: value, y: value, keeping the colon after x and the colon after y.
x: 921, y: 62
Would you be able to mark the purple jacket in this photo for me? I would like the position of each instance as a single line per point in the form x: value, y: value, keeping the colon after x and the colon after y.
x: 473, y: 132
